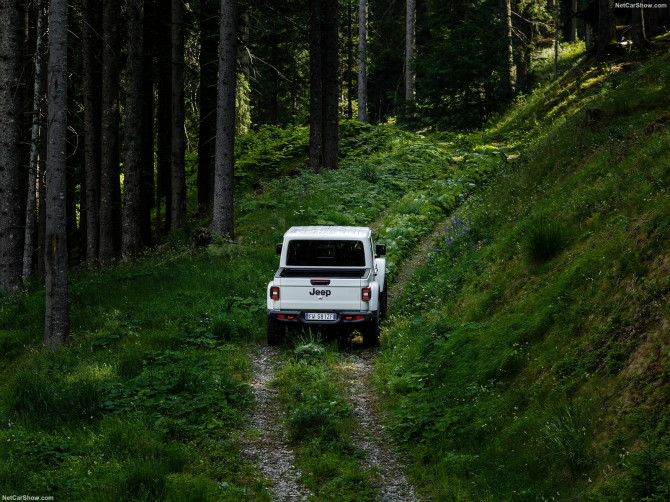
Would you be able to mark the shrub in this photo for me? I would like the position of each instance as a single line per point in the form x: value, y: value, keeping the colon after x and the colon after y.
x: 32, y: 393
x: 131, y: 363
x: 545, y: 239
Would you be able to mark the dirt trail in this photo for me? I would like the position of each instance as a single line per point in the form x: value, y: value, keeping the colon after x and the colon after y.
x: 264, y: 442
x: 371, y: 436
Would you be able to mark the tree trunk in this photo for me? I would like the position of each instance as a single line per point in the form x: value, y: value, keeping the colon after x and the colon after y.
x: 350, y: 59
x: 606, y: 27
x: 208, y: 82
x: 506, y: 31
x: 164, y: 163
x: 410, y: 49
x: 178, y: 173
x: 92, y: 117
x: 147, y: 191
x: 110, y: 189
x: 222, y: 222
x: 331, y: 92
x: 132, y: 238
x: 243, y: 99
x: 363, y: 60
x: 638, y: 32
x: 556, y: 8
x: 56, y: 325
x: 31, y: 203
x: 572, y: 36
x: 42, y: 190
x: 316, y: 83
x: 12, y: 194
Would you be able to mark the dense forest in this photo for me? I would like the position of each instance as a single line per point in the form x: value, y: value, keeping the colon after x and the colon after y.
x: 512, y: 157
x: 135, y: 117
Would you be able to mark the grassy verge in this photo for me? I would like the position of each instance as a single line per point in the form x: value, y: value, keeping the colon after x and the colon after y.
x: 319, y: 422
x: 527, y: 358
x: 143, y: 402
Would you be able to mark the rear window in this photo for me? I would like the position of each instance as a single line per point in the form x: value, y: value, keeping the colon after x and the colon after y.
x: 336, y: 253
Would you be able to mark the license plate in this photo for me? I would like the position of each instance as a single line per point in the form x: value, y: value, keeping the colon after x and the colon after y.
x: 320, y: 316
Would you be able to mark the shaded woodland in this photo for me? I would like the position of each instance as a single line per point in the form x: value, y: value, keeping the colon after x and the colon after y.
x: 110, y: 113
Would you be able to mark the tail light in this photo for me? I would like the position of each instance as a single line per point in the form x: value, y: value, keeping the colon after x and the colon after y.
x: 366, y: 294
x: 274, y: 292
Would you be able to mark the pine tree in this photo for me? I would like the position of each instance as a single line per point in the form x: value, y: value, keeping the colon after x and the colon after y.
x: 178, y: 173
x: 132, y: 238
x: 222, y: 222
x: 12, y: 195
x: 56, y: 324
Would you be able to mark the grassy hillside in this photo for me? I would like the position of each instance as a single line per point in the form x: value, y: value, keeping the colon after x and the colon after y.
x: 529, y: 358
x: 525, y: 357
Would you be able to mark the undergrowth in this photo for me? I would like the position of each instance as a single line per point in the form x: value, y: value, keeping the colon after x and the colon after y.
x: 528, y: 359
x: 143, y: 402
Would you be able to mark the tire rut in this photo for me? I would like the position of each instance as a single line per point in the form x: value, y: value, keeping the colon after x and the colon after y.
x: 372, y: 437
x: 264, y: 441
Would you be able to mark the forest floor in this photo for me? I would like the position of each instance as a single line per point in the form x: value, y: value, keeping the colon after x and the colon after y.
x: 265, y: 441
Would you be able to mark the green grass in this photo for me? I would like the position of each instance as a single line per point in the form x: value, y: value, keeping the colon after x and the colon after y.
x: 144, y: 400
x: 528, y: 359
x: 319, y: 422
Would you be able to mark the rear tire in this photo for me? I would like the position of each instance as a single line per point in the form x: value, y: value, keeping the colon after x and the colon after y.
x: 276, y: 332
x: 371, y: 332
x: 383, y: 302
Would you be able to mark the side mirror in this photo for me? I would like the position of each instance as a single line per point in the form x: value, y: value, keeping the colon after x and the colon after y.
x: 278, y: 247
x: 380, y: 249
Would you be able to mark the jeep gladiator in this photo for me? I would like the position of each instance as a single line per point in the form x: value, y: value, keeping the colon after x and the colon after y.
x: 328, y: 276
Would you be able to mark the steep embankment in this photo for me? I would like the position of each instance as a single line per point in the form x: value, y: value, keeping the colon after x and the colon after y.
x: 528, y: 358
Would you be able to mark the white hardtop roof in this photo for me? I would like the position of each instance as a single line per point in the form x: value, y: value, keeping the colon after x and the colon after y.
x: 328, y: 232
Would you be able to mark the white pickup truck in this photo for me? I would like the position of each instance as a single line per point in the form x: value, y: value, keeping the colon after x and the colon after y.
x: 328, y: 276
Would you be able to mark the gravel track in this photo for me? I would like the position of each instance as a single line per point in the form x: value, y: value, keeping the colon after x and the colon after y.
x: 371, y: 436
x: 264, y: 442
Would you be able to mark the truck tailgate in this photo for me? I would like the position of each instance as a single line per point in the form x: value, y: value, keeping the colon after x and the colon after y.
x: 320, y: 295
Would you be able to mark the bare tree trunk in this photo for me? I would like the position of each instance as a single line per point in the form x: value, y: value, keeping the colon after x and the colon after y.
x: 556, y: 8
x: 573, y: 21
x: 92, y: 119
x: 42, y: 191
x: 12, y: 195
x: 638, y: 32
x: 316, y: 83
x: 110, y: 211
x: 350, y: 58
x: 331, y: 93
x: 132, y: 238
x: 243, y: 99
x: 606, y: 27
x: 208, y: 81
x: 178, y: 173
x: 31, y: 203
x: 508, y: 82
x: 410, y: 49
x: 222, y: 222
x: 363, y: 60
x: 164, y: 126
x: 56, y: 325
x: 147, y: 190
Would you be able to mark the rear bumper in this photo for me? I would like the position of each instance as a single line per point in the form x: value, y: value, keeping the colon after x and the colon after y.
x: 298, y: 317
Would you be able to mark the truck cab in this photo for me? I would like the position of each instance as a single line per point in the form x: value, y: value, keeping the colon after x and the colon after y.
x: 328, y: 276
